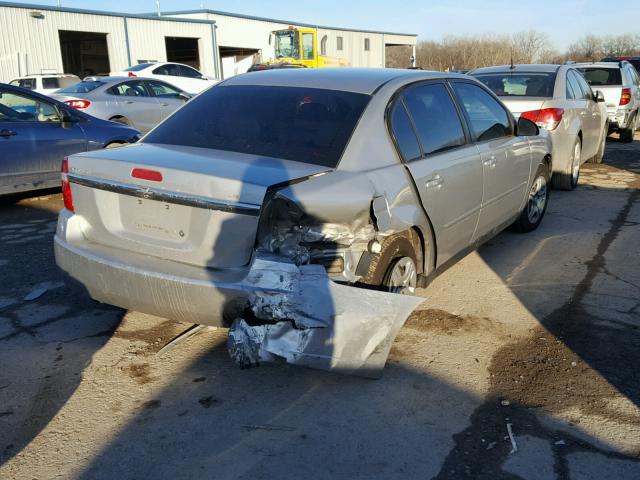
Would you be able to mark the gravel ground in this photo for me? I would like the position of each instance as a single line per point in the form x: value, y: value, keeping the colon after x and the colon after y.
x: 534, y: 334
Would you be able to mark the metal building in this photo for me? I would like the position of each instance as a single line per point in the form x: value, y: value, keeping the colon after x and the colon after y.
x: 240, y: 36
x: 39, y: 38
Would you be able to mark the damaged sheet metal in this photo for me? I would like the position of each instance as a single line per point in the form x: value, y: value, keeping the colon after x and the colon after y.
x: 304, y: 318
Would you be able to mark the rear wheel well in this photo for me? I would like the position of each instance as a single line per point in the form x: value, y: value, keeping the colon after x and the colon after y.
x: 119, y: 119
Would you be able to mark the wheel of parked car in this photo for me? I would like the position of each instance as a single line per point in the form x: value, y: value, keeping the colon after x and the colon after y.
x: 537, y: 202
x: 603, y: 143
x: 568, y: 179
x: 122, y: 120
x: 626, y: 134
x: 395, y: 267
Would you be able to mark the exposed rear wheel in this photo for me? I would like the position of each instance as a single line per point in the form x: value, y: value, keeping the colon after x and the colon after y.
x: 395, y: 268
x: 568, y: 179
x: 536, y: 206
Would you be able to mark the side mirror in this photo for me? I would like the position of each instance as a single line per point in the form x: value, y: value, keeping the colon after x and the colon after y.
x: 184, y: 96
x: 68, y: 120
x: 526, y: 128
x: 598, y: 96
x: 270, y: 35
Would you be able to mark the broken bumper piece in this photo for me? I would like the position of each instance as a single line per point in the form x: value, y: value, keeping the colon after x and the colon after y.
x: 311, y: 321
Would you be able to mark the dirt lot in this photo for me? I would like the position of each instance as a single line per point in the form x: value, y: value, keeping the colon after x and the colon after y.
x: 535, y: 333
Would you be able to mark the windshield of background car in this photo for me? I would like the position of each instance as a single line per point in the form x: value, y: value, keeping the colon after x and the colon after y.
x: 137, y: 68
x: 293, y: 123
x: 287, y: 44
x: 81, y: 87
x: 29, y: 83
x: 519, y: 84
x: 599, y: 76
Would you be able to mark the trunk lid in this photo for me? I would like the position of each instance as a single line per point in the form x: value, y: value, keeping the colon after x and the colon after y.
x: 523, y: 104
x: 204, y: 211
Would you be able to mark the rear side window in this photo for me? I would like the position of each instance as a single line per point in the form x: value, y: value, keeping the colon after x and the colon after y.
x: 129, y: 89
x: 489, y: 120
x: 519, y: 84
x: 403, y: 133
x: 600, y: 76
x: 168, y: 69
x: 307, y: 125
x: 29, y: 83
x: 82, y: 87
x: 50, y: 82
x: 435, y: 117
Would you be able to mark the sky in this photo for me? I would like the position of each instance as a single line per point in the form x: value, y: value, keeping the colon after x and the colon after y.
x: 565, y: 21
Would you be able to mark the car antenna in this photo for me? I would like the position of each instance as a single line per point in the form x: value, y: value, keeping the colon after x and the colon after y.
x: 512, y: 67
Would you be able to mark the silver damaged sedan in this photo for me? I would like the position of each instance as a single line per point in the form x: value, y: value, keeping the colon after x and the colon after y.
x: 263, y: 201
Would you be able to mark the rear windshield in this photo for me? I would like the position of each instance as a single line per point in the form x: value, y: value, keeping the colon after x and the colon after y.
x: 81, y: 87
x: 293, y: 123
x: 520, y: 84
x: 29, y: 83
x: 137, y: 68
x: 601, y: 76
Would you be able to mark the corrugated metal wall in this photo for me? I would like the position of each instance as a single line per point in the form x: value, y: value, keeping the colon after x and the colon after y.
x: 33, y: 44
x: 251, y: 33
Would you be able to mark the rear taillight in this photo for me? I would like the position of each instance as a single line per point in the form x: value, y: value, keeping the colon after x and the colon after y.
x: 79, y: 104
x: 131, y: 74
x: 66, y: 188
x: 547, y: 118
x: 625, y: 98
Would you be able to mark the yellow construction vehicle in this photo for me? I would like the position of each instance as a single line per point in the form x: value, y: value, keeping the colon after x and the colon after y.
x: 297, y: 47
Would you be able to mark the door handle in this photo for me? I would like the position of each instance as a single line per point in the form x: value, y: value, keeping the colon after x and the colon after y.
x: 7, y: 133
x: 128, y: 102
x: 164, y: 104
x: 435, y: 182
x: 490, y: 162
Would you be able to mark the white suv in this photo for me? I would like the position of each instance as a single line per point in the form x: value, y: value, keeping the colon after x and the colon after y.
x: 620, y: 84
x: 45, y: 83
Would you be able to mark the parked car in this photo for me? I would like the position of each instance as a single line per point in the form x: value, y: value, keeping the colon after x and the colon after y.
x: 633, y: 60
x: 620, y: 84
x: 37, y: 132
x: 560, y: 101
x: 139, y: 102
x: 182, y: 76
x: 45, y: 83
x: 383, y: 177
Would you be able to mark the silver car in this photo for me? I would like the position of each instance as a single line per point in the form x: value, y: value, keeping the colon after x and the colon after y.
x: 620, y: 84
x: 378, y: 178
x: 558, y: 99
x: 138, y: 102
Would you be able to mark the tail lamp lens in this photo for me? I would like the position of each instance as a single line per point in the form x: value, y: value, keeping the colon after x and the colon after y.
x: 66, y: 187
x: 79, y: 104
x: 625, y: 98
x: 547, y: 118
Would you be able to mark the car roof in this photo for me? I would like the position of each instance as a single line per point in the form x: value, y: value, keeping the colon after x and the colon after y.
x: 356, y: 80
x: 35, y: 75
x: 529, y: 68
x: 598, y: 65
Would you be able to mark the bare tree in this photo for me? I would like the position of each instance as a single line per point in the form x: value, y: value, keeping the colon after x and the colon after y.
x: 527, y: 46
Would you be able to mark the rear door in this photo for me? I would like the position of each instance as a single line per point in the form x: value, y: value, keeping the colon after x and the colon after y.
x: 591, y: 118
x: 137, y: 104
x: 33, y: 142
x: 445, y: 167
x: 506, y: 159
x: 167, y: 95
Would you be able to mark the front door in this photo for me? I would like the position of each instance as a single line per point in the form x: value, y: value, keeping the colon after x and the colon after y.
x: 591, y: 118
x: 446, y: 169
x: 168, y: 96
x: 506, y: 159
x: 33, y: 142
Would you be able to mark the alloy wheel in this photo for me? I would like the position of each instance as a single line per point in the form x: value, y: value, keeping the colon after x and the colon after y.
x: 575, y: 163
x: 537, y: 200
x: 403, y: 276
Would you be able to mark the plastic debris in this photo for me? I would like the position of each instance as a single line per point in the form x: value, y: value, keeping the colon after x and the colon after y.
x: 35, y: 293
x: 514, y: 446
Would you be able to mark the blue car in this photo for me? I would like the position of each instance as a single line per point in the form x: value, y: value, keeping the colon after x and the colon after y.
x: 37, y: 132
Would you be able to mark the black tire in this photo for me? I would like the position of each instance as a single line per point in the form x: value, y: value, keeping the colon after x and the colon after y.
x: 122, y: 120
x: 600, y: 155
x: 394, y: 248
x: 525, y: 223
x: 565, y: 180
x: 626, y: 134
